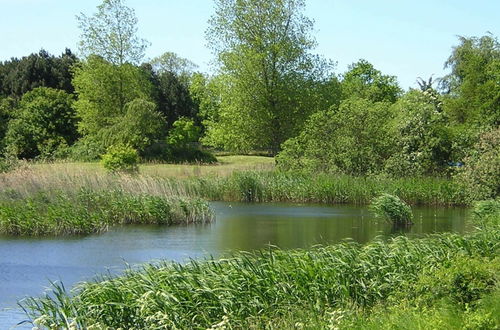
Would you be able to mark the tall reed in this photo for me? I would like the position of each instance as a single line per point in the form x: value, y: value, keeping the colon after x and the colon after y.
x: 85, y: 211
x: 260, y: 285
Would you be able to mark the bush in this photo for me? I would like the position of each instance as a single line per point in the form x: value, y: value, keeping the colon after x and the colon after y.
x: 8, y: 164
x: 464, y: 280
x: 121, y: 158
x: 392, y: 209
x: 481, y: 173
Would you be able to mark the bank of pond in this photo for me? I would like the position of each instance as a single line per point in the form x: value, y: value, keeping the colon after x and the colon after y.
x: 28, y: 263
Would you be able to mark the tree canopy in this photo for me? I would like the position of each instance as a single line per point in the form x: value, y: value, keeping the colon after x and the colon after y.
x: 263, y: 50
x: 111, y: 33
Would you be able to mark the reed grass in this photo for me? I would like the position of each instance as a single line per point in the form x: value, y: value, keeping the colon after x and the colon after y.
x: 249, y: 186
x: 252, y: 289
x: 84, y: 211
x: 275, y: 186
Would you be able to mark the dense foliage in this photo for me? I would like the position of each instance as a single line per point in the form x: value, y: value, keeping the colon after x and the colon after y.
x: 121, y: 158
x: 43, y: 125
x: 269, y: 93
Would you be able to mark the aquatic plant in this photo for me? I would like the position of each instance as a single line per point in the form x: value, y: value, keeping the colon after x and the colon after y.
x: 87, y: 211
x: 392, y: 209
x: 259, y: 288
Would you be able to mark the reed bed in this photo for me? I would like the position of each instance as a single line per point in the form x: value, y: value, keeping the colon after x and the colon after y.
x: 275, y: 186
x: 84, y: 211
x: 248, y: 186
x: 253, y: 289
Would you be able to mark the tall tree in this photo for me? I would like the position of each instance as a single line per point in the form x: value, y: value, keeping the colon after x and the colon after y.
x: 263, y: 48
x: 112, y: 91
x: 171, y: 76
x: 112, y: 33
x: 472, y: 87
x: 18, y: 76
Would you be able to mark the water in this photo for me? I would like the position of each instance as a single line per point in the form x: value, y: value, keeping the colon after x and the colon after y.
x: 28, y: 265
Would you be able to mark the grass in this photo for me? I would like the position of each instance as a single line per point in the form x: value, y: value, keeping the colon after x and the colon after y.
x: 323, y: 287
x: 274, y: 186
x: 84, y: 211
x: 249, y: 186
x: 225, y: 166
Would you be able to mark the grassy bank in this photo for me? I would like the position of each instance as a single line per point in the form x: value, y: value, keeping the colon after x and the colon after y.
x: 249, y: 186
x: 274, y: 186
x: 337, y: 286
x: 84, y: 211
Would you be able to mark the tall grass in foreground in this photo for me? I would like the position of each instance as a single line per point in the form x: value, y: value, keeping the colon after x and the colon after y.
x: 87, y: 211
x: 264, y: 288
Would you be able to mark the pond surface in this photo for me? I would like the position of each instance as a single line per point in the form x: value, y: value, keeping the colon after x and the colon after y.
x: 27, y: 265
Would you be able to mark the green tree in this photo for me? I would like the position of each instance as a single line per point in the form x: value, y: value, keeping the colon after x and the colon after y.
x: 472, y: 87
x: 173, y: 63
x: 18, y: 76
x: 421, y: 134
x: 105, y: 95
x: 113, y: 93
x: 183, y: 133
x: 44, y: 123
x: 111, y: 33
x: 364, y: 81
x: 266, y: 71
x: 7, y: 106
x: 353, y: 139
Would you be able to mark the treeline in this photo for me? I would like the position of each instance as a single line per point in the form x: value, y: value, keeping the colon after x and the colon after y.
x: 63, y: 106
x: 268, y: 92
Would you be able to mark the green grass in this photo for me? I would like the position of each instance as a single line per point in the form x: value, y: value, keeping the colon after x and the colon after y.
x: 275, y: 186
x: 251, y: 287
x: 225, y: 166
x: 86, y: 211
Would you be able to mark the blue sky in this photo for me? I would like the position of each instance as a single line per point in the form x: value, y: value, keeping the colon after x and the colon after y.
x: 408, y: 39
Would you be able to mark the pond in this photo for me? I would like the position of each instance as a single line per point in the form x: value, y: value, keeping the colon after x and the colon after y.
x: 27, y: 265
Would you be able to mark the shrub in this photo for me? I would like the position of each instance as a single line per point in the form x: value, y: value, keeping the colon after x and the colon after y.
x: 8, y: 164
x: 121, y: 158
x: 392, y: 209
x: 464, y: 280
x: 481, y: 173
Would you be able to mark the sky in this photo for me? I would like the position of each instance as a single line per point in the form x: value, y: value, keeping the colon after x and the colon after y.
x: 408, y: 39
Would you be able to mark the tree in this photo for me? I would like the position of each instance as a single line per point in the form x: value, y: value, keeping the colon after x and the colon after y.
x: 111, y: 34
x: 44, y: 123
x: 113, y: 93
x: 7, y: 106
x: 173, y: 63
x: 421, y: 135
x: 472, y: 87
x: 262, y: 48
x: 364, y: 81
x: 41, y: 69
x: 105, y: 92
x: 170, y: 76
x: 353, y: 140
